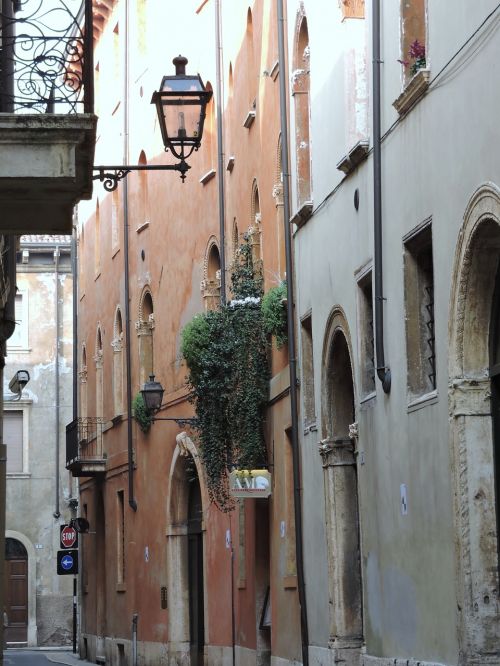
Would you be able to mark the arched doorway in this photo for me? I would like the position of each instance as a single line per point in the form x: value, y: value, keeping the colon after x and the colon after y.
x: 338, y: 450
x: 187, y: 630
x: 16, y: 591
x: 195, y: 567
x: 475, y: 423
x: 100, y: 572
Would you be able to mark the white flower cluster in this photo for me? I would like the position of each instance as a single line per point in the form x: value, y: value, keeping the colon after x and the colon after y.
x: 248, y: 300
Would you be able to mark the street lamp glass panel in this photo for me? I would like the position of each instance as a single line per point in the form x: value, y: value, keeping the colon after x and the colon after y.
x: 152, y: 394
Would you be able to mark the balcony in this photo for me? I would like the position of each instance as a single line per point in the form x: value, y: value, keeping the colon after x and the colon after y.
x: 47, y: 124
x: 84, y: 447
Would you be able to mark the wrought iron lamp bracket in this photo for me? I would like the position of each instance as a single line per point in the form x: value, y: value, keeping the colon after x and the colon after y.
x: 181, y: 422
x: 110, y: 176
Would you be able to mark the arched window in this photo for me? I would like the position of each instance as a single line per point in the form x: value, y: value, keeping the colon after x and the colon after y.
x: 83, y: 384
x: 255, y: 229
x: 211, y: 276
x: 145, y: 327
x: 300, y: 92
x: 117, y: 345
x: 99, y: 381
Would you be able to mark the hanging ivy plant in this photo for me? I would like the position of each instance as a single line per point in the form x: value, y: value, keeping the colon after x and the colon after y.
x: 226, y: 355
x: 274, y: 313
x: 141, y: 414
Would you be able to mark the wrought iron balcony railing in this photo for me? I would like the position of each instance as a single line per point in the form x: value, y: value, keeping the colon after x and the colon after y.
x: 84, y: 446
x: 46, y: 56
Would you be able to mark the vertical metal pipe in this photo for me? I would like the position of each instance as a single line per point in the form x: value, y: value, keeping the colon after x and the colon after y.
x: 220, y: 154
x: 291, y: 339
x: 74, y: 270
x: 57, y: 512
x: 135, y: 619
x: 3, y: 481
x: 383, y: 373
x: 74, y: 614
x: 128, y: 359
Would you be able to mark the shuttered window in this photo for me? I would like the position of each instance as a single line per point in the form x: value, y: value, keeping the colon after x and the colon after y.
x: 13, y: 438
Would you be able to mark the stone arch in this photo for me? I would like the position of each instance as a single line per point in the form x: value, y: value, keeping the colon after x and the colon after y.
x: 301, y: 93
x: 30, y: 549
x: 472, y: 441
x: 338, y: 452
x: 117, y: 345
x: 211, y: 283
x: 145, y: 327
x: 177, y: 545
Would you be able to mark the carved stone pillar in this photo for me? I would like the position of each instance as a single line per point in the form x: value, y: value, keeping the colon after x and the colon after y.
x: 344, y: 557
x: 472, y: 436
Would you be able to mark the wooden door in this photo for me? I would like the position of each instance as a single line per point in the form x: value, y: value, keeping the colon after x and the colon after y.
x: 16, y: 599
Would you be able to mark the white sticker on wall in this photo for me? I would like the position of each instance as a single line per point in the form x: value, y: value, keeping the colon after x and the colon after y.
x: 146, y: 554
x: 282, y: 529
x: 228, y: 538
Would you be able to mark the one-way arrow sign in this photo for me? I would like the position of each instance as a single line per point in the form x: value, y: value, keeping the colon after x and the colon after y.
x: 67, y: 562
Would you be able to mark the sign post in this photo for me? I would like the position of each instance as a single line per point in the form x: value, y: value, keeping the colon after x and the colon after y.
x: 67, y: 563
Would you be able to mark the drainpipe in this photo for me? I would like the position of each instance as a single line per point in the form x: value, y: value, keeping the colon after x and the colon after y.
x: 74, y: 272
x: 135, y: 619
x: 128, y: 361
x: 297, y: 501
x: 220, y: 155
x: 57, y: 512
x: 383, y: 373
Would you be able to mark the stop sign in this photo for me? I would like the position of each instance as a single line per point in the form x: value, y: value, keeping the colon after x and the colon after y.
x: 69, y: 536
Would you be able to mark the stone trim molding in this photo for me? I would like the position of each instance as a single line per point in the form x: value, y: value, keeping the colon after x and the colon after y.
x: 368, y: 660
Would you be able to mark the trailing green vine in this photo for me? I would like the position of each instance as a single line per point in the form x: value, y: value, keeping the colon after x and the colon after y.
x: 141, y: 414
x: 274, y: 313
x: 226, y: 355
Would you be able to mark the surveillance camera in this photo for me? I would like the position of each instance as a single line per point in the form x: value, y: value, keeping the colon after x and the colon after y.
x: 19, y: 381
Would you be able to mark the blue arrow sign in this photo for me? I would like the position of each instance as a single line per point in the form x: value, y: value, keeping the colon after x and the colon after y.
x: 67, y: 562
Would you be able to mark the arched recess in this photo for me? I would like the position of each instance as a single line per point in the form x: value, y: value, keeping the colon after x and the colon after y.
x: 99, y: 379
x: 185, y: 465
x: 255, y: 229
x: 117, y: 344
x: 278, y: 198
x: 211, y: 283
x: 143, y: 213
x: 301, y: 94
x: 474, y: 431
x: 339, y: 431
x: 145, y: 327
x: 209, y: 131
x: 83, y: 383
x: 30, y: 549
x: 250, y: 69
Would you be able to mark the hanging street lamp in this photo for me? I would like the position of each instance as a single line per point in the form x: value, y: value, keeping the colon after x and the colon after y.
x: 181, y: 106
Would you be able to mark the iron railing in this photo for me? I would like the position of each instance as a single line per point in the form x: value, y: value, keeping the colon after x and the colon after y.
x: 46, y: 56
x: 84, y: 440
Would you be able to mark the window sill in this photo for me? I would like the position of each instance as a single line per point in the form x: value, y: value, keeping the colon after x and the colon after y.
x: 249, y: 120
x: 207, y: 177
x: 121, y: 587
x: 18, y: 350
x: 303, y: 214
x: 414, y: 90
x: 290, y: 582
x: 18, y: 475
x: 368, y: 397
x: 141, y: 227
x: 422, y: 401
x: 357, y: 154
